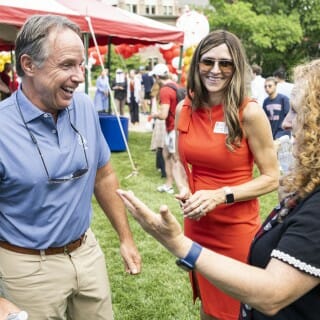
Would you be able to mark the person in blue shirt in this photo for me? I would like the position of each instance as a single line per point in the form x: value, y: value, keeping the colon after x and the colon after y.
x: 276, y: 106
x: 101, y: 97
x: 53, y: 159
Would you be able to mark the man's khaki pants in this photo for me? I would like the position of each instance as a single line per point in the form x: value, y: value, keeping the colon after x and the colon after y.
x: 62, y: 286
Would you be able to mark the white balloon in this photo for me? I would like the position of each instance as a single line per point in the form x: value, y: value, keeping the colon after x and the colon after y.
x: 195, y: 26
x: 91, y: 61
x: 175, y: 62
x: 166, y: 46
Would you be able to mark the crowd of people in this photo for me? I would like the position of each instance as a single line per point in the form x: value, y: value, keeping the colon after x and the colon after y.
x: 274, y: 93
x: 130, y: 89
x: 55, y: 159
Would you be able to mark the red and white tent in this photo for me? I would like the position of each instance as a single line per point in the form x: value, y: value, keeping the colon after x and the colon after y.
x: 14, y: 13
x: 110, y: 24
x: 123, y: 26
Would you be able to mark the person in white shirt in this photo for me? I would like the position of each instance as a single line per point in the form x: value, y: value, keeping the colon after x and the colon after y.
x: 283, y: 86
x: 257, y: 84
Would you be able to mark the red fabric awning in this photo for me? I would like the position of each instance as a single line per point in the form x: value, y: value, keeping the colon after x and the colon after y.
x: 123, y: 26
x: 107, y: 21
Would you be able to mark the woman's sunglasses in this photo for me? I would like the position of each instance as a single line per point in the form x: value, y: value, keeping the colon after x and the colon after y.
x: 225, y: 66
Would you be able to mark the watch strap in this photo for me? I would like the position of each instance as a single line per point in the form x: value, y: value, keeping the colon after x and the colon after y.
x: 188, y: 262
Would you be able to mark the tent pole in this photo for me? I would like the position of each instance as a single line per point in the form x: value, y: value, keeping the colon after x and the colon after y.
x: 134, y: 169
x: 109, y: 52
x: 180, y: 63
x: 86, y: 75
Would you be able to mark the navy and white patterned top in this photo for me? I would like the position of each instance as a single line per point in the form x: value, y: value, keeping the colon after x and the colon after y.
x: 296, y: 241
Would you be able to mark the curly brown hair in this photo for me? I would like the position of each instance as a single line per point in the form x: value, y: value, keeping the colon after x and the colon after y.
x: 305, y: 174
x: 237, y: 89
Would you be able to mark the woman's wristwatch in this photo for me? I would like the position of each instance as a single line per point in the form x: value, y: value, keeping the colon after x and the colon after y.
x: 229, y: 195
x: 189, y: 261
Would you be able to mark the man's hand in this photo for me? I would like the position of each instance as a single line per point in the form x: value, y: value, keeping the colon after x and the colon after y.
x: 7, y: 307
x: 131, y: 258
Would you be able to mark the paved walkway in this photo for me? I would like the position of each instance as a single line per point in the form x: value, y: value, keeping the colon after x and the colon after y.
x: 143, y: 126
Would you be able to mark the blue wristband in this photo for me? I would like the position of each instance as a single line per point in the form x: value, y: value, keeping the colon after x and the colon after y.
x: 188, y: 263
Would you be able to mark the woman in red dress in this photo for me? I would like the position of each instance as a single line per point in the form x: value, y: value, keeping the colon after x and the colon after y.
x: 222, y: 133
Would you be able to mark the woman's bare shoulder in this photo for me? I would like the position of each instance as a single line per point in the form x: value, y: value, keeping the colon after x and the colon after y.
x: 252, y: 111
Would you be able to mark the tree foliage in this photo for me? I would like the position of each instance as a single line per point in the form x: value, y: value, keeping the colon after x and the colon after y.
x: 274, y: 32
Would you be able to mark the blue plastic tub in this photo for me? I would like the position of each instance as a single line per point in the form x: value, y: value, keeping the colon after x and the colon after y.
x: 111, y: 131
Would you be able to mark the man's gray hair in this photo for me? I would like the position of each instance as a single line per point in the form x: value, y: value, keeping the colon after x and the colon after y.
x: 33, y: 37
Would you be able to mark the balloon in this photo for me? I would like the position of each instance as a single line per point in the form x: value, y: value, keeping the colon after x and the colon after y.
x: 120, y: 49
x: 175, y: 62
x: 166, y: 46
x: 183, y: 78
x: 186, y: 68
x: 186, y: 60
x: 176, y: 51
x: 168, y: 55
x: 91, y: 61
x: 195, y: 26
x: 103, y: 49
x: 134, y: 48
x: 94, y: 56
x: 190, y: 51
x: 171, y: 68
x: 127, y: 52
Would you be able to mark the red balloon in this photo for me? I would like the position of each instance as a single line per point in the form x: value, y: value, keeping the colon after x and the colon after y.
x: 134, y: 49
x: 183, y: 78
x: 176, y: 52
x: 120, y: 49
x: 103, y: 49
x: 95, y: 55
x: 168, y: 56
x: 171, y: 68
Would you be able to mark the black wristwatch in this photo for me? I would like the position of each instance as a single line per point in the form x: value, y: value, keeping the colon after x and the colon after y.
x: 188, y: 262
x: 229, y: 195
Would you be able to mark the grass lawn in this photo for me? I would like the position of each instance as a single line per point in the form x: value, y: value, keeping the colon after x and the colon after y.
x: 161, y: 291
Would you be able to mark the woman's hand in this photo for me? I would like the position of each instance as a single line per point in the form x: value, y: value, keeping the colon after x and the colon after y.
x: 164, y: 227
x: 184, y: 194
x: 201, y: 202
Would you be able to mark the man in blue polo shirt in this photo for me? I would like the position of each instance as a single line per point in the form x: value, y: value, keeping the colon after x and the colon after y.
x: 53, y: 158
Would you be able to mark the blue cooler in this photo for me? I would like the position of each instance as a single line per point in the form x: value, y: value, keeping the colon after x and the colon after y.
x: 111, y: 131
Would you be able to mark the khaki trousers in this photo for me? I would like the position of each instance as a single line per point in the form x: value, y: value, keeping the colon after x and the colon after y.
x: 71, y: 286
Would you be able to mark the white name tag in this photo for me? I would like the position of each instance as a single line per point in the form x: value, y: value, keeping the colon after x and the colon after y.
x: 220, y: 127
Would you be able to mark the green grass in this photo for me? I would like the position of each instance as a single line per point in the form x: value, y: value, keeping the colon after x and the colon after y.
x: 161, y: 291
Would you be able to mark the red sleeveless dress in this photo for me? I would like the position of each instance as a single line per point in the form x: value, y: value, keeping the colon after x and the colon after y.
x: 228, y: 229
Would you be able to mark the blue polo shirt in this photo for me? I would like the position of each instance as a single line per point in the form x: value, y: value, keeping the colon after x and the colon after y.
x: 34, y: 213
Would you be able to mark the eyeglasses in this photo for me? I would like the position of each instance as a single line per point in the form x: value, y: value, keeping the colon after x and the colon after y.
x: 268, y: 86
x: 74, y: 175
x: 225, y: 66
